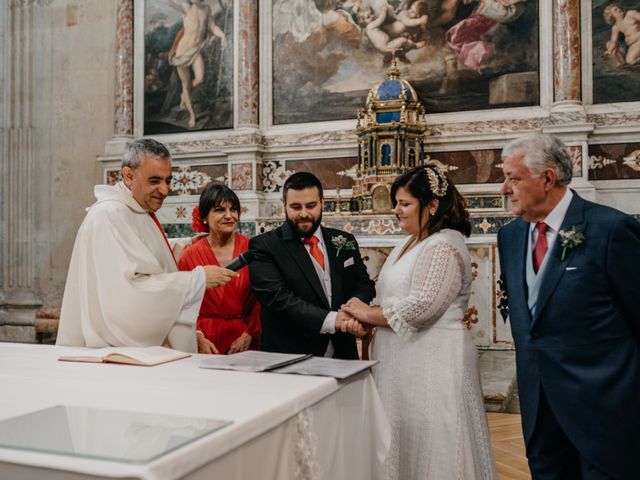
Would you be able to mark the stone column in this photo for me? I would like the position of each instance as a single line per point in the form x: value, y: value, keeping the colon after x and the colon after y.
x: 566, y: 55
x: 124, y: 69
x: 248, y: 66
x: 18, y: 298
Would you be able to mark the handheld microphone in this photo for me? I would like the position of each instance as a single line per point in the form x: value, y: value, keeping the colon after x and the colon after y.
x: 240, y: 261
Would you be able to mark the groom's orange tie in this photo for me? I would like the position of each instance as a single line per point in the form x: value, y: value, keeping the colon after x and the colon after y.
x: 541, y: 246
x: 314, y: 250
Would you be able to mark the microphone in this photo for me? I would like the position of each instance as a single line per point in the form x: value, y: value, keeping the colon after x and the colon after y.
x: 240, y: 261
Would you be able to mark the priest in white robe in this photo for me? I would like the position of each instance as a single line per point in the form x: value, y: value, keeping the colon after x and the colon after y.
x: 123, y: 286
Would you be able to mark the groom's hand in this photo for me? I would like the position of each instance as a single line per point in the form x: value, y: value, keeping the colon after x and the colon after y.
x: 347, y: 324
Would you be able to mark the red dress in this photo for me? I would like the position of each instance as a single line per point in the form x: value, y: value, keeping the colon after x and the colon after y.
x: 228, y: 311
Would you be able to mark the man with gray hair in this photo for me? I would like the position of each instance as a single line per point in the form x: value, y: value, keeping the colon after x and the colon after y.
x: 571, y: 270
x: 123, y: 286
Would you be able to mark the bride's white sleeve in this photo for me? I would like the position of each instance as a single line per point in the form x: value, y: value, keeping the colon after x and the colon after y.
x: 436, y: 280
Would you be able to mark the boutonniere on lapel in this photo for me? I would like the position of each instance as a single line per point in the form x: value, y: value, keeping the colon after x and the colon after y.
x: 341, y: 243
x: 570, y: 239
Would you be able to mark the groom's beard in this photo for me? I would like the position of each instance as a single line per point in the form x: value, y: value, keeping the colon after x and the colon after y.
x: 302, y: 229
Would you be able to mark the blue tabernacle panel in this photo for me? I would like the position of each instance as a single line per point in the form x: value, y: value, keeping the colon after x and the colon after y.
x: 392, y: 90
x: 387, y: 117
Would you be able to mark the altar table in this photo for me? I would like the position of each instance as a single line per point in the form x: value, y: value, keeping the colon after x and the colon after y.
x: 283, y: 426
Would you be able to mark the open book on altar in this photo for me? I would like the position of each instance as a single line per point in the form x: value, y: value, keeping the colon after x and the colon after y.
x: 254, y: 361
x: 143, y: 356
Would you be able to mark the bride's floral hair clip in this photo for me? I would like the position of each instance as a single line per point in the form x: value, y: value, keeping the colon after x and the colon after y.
x: 438, y: 183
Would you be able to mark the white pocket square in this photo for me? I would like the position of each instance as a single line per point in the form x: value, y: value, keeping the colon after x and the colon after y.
x: 569, y: 269
x: 348, y: 262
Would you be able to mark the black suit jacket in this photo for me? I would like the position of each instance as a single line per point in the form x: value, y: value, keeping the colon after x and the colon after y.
x: 294, y: 305
x: 582, y: 346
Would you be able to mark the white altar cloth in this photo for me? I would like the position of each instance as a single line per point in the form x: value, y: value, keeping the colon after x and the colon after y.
x: 284, y: 426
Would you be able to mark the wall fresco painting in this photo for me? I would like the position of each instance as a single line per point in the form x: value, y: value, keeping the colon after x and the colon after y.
x: 332, y: 172
x: 616, y: 51
x: 188, y: 55
x: 459, y: 54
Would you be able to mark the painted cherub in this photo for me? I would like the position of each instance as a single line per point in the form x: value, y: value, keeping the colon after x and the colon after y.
x: 626, y: 22
x: 389, y: 33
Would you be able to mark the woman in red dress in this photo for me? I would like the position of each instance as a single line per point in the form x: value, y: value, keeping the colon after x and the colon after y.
x: 229, y: 319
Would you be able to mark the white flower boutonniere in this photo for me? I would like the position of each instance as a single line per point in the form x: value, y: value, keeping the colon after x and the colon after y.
x: 341, y: 243
x: 570, y: 239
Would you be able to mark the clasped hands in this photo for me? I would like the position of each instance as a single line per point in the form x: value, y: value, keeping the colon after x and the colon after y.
x: 352, y: 316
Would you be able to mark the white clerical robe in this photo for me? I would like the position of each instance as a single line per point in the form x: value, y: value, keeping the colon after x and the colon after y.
x: 123, y: 286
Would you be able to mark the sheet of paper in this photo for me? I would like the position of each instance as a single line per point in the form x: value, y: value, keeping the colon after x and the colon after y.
x: 328, y: 367
x: 251, y: 361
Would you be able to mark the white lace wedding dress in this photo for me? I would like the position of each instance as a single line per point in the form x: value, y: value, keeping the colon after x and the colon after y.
x: 428, y: 375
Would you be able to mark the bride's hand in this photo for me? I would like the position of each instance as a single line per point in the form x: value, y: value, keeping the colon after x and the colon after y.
x: 357, y: 309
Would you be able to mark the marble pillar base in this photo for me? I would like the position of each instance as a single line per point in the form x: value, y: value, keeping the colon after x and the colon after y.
x: 498, y: 379
x: 16, y: 333
x: 567, y: 106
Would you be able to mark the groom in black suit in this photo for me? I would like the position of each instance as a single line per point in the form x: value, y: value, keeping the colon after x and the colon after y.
x: 302, y: 273
x: 571, y: 269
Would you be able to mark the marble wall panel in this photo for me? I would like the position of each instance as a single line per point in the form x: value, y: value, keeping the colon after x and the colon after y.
x: 614, y: 161
x: 374, y: 258
x: 242, y: 176
x: 187, y: 179
x: 485, y: 202
x: 215, y: 172
x: 576, y: 157
x: 260, y: 177
x: 181, y: 230
x: 485, y: 225
x: 112, y: 176
x: 332, y: 172
x: 485, y: 166
x: 471, y: 167
x: 480, y: 314
x: 273, y: 175
x: 501, y: 328
x: 385, y: 225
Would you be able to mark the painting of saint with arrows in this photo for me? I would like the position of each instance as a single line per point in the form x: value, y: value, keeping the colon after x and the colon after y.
x: 188, y: 65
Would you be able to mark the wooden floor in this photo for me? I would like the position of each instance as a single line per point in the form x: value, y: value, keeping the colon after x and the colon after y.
x: 508, y: 446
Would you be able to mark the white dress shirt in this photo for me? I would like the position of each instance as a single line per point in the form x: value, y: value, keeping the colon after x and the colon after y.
x: 324, y: 275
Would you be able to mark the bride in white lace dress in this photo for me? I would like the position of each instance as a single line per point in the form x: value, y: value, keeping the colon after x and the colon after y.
x: 428, y: 375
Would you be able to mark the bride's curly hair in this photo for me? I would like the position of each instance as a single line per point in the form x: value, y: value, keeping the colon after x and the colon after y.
x: 427, y: 182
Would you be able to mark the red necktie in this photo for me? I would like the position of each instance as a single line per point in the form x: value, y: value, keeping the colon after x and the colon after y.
x: 314, y: 250
x: 541, y: 246
x: 157, y: 222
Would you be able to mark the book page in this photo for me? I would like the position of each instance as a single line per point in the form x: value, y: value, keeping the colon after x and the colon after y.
x: 148, y: 356
x: 251, y: 361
